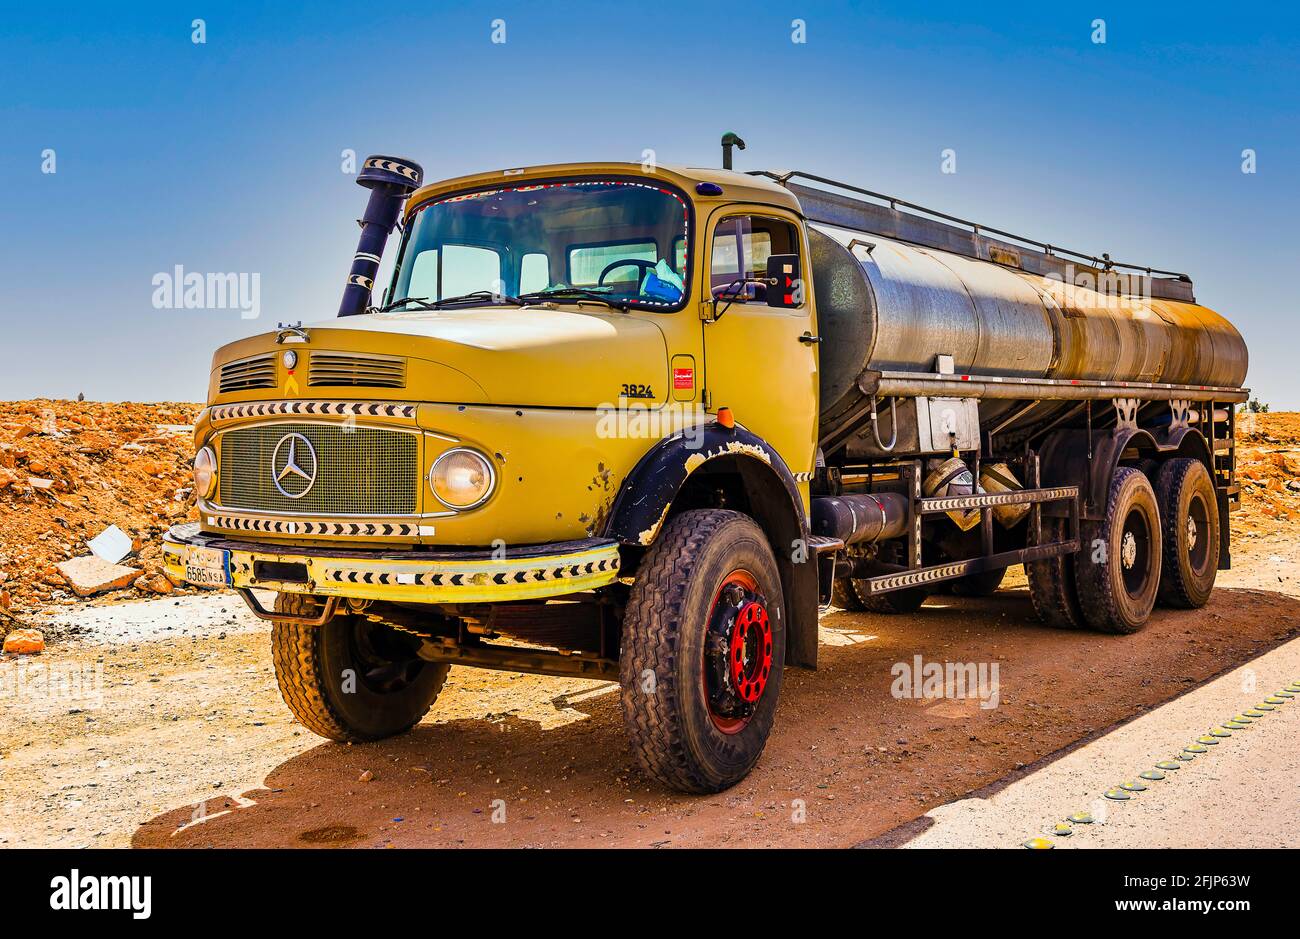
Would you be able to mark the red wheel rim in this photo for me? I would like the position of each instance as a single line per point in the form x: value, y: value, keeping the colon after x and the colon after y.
x: 740, y: 630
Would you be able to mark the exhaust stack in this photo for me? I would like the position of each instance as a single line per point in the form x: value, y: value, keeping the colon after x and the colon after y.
x: 390, y: 181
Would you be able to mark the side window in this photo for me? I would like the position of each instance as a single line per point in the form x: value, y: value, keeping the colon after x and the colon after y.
x: 534, y: 273
x: 741, y: 246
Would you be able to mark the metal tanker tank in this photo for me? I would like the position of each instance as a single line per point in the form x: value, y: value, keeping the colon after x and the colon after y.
x: 887, y: 305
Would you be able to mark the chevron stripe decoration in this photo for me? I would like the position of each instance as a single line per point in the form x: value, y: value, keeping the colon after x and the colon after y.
x: 293, y: 527
x: 231, y: 412
x: 473, y: 577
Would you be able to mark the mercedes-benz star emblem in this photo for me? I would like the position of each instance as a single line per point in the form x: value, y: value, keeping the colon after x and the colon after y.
x: 293, y: 466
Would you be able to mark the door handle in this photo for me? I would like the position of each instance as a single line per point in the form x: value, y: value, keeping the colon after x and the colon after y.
x: 810, y: 339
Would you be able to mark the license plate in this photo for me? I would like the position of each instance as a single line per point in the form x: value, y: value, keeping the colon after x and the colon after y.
x: 208, y: 567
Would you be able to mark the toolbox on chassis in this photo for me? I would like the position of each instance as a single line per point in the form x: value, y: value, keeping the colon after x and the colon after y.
x: 640, y: 423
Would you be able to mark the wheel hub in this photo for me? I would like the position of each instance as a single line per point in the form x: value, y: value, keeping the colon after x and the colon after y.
x: 1128, y: 550
x: 1191, y: 533
x: 738, y: 653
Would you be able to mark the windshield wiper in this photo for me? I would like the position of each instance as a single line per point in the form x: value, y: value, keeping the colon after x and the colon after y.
x: 552, y: 293
x: 424, y: 303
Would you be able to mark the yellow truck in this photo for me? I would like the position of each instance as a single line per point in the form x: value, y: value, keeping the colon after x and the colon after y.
x: 641, y: 423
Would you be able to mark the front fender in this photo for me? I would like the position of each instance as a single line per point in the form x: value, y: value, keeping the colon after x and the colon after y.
x: 648, y: 492
x: 770, y: 491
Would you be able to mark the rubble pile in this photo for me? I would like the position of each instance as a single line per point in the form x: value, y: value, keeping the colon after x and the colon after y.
x: 1268, y: 468
x: 69, y: 470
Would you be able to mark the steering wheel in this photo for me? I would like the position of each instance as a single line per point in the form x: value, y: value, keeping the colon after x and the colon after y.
x: 641, y: 264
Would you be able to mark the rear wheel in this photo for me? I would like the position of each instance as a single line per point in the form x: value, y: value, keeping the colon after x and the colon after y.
x: 1189, y: 521
x: 1051, y: 582
x: 843, y: 596
x: 1117, y: 568
x: 891, y: 560
x: 350, y: 679
x: 983, y: 584
x: 702, y: 651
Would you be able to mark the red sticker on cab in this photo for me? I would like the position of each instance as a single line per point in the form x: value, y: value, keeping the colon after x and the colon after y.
x: 683, y: 379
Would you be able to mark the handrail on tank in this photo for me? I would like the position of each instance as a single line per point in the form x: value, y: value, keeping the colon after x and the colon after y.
x: 894, y: 202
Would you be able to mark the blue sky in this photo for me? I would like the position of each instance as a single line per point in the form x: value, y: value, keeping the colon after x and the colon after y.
x: 225, y: 156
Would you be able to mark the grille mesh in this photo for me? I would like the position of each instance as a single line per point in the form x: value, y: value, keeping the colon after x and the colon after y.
x: 258, y: 371
x: 358, y: 371
x: 359, y: 470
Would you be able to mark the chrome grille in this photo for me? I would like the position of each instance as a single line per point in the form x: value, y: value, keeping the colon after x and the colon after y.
x: 358, y: 371
x: 359, y: 470
x: 257, y: 371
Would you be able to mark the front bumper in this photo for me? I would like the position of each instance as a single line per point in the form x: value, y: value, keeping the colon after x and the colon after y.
x: 415, y: 576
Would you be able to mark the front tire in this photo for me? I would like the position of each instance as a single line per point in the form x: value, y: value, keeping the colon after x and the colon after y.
x: 1117, y: 568
x: 702, y: 651
x: 350, y: 680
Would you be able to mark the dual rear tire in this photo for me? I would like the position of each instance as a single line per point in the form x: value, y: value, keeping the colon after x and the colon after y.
x: 1154, y: 542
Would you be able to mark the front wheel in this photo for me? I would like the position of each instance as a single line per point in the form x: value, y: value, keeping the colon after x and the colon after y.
x: 350, y: 679
x: 702, y: 651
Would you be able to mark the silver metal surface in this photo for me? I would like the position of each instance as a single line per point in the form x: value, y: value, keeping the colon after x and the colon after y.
x: 892, y: 306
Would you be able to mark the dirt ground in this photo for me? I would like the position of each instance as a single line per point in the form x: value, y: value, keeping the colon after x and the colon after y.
x: 158, y: 724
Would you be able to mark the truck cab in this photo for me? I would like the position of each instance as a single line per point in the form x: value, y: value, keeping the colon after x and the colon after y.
x: 581, y: 432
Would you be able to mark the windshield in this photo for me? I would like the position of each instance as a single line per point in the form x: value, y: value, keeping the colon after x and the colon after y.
x: 620, y: 240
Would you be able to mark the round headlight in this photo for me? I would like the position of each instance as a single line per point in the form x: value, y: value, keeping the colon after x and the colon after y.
x: 462, y: 479
x: 290, y: 359
x: 205, y: 472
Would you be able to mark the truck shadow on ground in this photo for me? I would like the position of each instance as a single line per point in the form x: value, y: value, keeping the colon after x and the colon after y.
x: 854, y: 753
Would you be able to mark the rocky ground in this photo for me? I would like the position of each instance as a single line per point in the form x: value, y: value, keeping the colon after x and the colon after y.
x: 157, y: 722
x: 70, y: 469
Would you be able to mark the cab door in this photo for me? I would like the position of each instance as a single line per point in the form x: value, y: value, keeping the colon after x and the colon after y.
x: 760, y: 360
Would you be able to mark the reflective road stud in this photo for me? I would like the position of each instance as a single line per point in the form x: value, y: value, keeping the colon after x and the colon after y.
x: 1039, y: 844
x: 1062, y: 830
x: 1264, y: 707
x: 1220, y: 732
x: 1153, y: 774
x: 1235, y: 725
x: 1255, y: 715
x: 1167, y: 764
x: 1133, y: 786
x: 1196, y: 748
x: 1208, y: 740
x: 1080, y: 818
x: 1119, y: 795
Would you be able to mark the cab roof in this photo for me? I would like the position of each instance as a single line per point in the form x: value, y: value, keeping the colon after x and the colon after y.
x: 736, y: 187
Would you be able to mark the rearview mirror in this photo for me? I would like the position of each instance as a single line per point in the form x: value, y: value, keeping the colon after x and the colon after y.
x: 784, y: 285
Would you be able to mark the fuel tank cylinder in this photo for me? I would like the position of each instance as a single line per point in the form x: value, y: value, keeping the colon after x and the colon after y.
x: 888, y: 305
